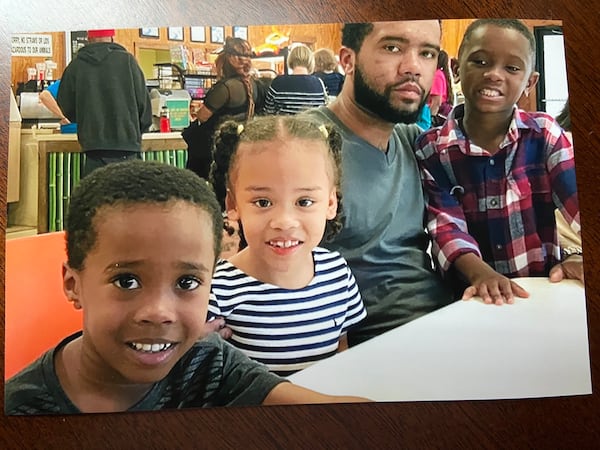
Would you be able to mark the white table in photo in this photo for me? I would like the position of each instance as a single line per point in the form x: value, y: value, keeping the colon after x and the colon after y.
x: 536, y: 347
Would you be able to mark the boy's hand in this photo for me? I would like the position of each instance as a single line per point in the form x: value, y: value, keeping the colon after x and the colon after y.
x: 571, y: 268
x: 218, y: 325
x: 488, y: 284
x: 495, y: 289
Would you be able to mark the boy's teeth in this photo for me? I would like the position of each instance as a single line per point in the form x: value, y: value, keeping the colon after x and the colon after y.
x: 490, y: 93
x: 152, y: 348
x: 283, y: 244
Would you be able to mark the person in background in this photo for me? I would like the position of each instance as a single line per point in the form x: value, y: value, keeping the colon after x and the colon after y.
x: 440, y: 97
x: 300, y: 90
x: 564, y: 119
x: 456, y: 88
x: 103, y: 89
x: 424, y: 121
x: 48, y: 99
x: 326, y: 68
x: 570, y: 240
x: 389, y: 69
x: 142, y: 241
x: 288, y: 302
x: 494, y: 174
x: 238, y: 95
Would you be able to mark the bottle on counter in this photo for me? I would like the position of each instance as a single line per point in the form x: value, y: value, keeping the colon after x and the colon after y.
x: 165, y: 122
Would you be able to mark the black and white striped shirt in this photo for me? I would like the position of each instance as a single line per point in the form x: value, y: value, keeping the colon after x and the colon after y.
x: 291, y: 94
x: 288, y: 329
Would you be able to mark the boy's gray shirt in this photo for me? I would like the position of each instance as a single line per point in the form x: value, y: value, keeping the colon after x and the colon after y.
x: 211, y: 373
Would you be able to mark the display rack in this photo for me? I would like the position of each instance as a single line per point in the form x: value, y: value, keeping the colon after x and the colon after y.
x: 197, y: 84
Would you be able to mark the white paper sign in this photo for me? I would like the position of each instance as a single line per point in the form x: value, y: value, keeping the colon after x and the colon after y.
x: 31, y: 45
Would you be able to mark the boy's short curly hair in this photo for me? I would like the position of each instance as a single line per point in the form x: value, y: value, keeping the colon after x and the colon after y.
x: 511, y: 24
x: 266, y: 128
x: 132, y: 182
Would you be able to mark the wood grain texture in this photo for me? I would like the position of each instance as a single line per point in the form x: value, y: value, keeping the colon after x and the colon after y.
x: 569, y: 422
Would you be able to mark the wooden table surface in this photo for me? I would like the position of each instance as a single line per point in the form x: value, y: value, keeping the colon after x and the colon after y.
x: 560, y: 422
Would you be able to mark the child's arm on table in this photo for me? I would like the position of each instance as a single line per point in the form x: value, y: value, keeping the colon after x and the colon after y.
x: 288, y: 393
x: 485, y: 282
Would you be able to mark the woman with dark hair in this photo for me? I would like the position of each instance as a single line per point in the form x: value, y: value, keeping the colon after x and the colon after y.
x: 237, y: 95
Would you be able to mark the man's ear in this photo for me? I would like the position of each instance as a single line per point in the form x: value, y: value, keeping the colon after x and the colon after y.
x: 72, y: 285
x: 230, y: 207
x: 347, y: 60
x: 332, y: 204
x: 531, y: 82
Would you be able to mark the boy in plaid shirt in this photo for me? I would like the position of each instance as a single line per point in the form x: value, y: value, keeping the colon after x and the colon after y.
x: 494, y: 174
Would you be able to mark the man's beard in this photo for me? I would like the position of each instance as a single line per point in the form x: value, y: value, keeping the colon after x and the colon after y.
x: 379, y: 104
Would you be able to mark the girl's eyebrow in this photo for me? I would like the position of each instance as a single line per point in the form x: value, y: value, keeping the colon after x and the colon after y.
x: 255, y: 188
x: 266, y: 189
x: 310, y: 188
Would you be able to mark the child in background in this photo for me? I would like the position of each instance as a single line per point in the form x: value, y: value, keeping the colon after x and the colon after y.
x: 440, y: 99
x: 326, y: 68
x: 142, y: 241
x: 287, y: 301
x: 298, y: 90
x: 494, y: 174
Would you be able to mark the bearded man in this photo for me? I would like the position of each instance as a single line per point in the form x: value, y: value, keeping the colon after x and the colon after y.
x: 389, y: 69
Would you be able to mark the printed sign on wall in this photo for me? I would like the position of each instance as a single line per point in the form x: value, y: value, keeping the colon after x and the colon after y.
x: 31, y: 45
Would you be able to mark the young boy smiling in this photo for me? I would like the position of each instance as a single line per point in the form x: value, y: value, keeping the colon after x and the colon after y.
x: 142, y: 241
x: 494, y: 174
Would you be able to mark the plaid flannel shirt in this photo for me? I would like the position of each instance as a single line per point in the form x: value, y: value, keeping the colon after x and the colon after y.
x: 500, y: 207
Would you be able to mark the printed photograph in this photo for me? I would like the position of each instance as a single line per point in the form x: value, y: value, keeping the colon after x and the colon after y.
x: 429, y: 258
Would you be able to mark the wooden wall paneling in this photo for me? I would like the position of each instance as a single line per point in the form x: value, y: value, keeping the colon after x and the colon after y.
x: 564, y: 422
x: 452, y: 33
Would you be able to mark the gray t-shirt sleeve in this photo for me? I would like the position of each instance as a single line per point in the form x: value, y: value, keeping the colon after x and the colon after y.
x: 244, y: 381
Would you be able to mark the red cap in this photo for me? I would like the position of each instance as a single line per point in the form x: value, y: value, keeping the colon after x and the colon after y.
x: 92, y: 34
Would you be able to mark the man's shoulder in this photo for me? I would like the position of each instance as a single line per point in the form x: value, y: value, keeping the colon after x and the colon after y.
x: 407, y: 130
x: 321, y: 113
